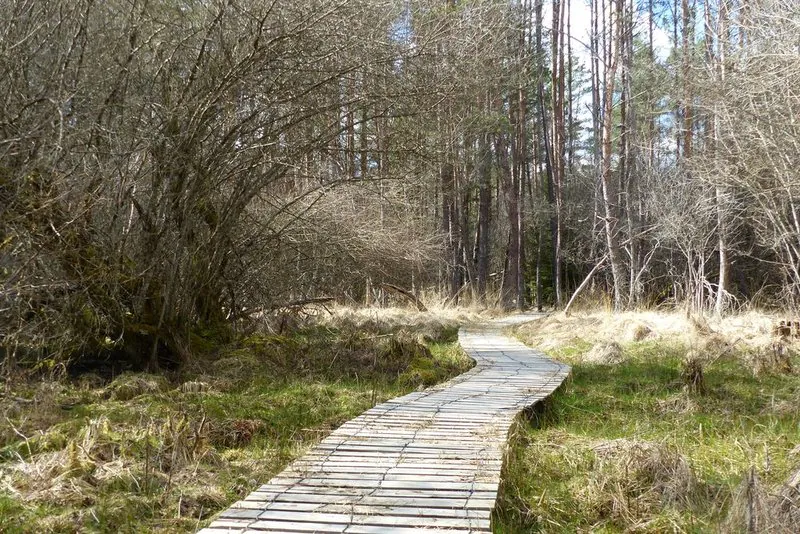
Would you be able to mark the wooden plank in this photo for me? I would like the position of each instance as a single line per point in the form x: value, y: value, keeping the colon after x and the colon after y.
x: 369, y: 529
x: 272, y: 517
x: 377, y: 483
x: 463, y: 470
x: 268, y: 525
x: 356, y: 493
x: 312, y: 501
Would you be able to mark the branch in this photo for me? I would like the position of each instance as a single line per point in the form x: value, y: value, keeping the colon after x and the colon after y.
x: 584, y: 284
x: 405, y: 294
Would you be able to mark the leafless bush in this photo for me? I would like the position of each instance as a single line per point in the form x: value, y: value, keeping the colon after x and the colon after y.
x: 163, y: 165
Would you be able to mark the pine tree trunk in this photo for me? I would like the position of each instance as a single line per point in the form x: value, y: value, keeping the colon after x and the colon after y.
x: 610, y: 211
x: 484, y: 217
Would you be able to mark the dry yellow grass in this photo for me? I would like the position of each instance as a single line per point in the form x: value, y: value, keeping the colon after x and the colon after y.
x: 711, y: 337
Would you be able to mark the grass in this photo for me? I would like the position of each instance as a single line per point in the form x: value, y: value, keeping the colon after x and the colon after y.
x: 142, y: 453
x: 627, y: 448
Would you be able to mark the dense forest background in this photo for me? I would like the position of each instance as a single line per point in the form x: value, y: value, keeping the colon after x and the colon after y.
x: 166, y: 166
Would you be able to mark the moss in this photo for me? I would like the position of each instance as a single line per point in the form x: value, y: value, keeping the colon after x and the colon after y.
x: 442, y: 361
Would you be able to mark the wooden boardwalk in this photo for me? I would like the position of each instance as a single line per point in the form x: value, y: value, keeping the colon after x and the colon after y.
x: 427, y: 461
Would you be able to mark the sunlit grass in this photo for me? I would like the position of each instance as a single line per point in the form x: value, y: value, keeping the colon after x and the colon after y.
x: 143, y: 454
x: 555, y: 480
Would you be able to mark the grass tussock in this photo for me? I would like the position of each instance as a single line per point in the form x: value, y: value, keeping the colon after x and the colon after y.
x: 633, y: 478
x: 604, y: 354
x: 146, y: 453
x: 685, y: 432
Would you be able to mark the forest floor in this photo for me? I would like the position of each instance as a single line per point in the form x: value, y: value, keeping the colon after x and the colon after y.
x: 668, y: 424
x: 148, y: 453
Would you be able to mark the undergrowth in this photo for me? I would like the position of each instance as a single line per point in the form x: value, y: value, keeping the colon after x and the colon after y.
x: 143, y: 453
x: 632, y: 447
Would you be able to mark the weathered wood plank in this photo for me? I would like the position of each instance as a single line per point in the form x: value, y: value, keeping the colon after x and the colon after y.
x: 308, y: 501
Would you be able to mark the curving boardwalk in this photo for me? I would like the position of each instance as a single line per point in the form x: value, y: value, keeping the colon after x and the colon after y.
x: 427, y: 461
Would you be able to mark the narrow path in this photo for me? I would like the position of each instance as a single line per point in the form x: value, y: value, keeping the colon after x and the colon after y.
x: 426, y: 461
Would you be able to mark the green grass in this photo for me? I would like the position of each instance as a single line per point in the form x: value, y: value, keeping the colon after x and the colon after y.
x: 141, y: 454
x: 556, y: 481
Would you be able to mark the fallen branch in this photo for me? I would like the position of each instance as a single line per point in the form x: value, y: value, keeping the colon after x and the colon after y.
x: 405, y: 294
x: 584, y: 284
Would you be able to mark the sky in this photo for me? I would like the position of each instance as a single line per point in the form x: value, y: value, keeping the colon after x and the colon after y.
x: 581, y: 26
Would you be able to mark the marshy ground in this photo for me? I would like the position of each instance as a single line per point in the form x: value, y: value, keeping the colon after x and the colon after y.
x: 145, y: 453
x: 669, y: 424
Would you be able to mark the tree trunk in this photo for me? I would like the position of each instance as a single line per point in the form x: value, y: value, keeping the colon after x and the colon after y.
x: 509, y: 296
x: 484, y: 217
x: 609, y: 196
x: 688, y: 122
x: 549, y: 161
x: 583, y: 285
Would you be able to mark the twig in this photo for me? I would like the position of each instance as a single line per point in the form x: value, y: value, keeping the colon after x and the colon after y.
x: 21, y: 400
x: 584, y: 284
x: 20, y: 434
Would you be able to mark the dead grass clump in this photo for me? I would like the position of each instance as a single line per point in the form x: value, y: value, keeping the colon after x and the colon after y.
x: 233, y: 433
x: 772, y: 357
x: 752, y: 328
x: 127, y: 386
x: 89, y: 382
x: 195, y: 386
x: 714, y: 345
x: 98, y: 442
x: 636, y: 331
x: 201, y: 502
x: 751, y: 509
x: 716, y: 337
x: 179, y: 441
x: 787, y: 502
x: 699, y: 325
x: 235, y: 368
x: 692, y: 372
x: 103, y: 459
x: 431, y: 327
x: 604, y: 354
x: 436, y: 331
x: 758, y: 508
x: 680, y: 404
x: 33, y: 476
x: 635, y: 479
x: 64, y: 522
x: 398, y: 352
x: 789, y: 407
x: 34, y: 415
x: 557, y: 330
